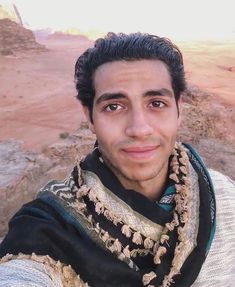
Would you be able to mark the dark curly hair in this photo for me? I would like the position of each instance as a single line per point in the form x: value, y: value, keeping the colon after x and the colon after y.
x: 128, y: 47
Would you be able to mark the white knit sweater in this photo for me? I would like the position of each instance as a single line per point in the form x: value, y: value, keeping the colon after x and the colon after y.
x: 217, y: 271
x: 219, y: 267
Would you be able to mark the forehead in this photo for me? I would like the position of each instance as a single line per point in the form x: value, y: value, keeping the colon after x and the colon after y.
x: 129, y: 74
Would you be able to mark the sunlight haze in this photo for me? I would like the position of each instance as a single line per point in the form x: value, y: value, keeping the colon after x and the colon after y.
x: 182, y: 19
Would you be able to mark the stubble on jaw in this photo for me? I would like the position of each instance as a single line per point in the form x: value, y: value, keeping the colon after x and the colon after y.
x: 135, y: 184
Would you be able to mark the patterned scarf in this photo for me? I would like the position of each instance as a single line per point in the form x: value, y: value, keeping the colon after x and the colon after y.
x: 116, y: 237
x: 166, y: 242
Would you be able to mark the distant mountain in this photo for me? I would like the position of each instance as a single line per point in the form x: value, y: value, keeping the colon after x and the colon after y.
x: 14, y: 37
x: 66, y: 36
x: 42, y: 33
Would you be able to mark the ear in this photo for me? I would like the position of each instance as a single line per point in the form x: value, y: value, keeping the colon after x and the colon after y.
x: 180, y: 110
x: 87, y: 115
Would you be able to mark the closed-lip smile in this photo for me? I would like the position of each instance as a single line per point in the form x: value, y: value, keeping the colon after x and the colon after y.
x: 140, y: 152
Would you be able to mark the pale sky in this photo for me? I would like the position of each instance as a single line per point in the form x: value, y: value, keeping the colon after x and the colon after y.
x: 180, y: 19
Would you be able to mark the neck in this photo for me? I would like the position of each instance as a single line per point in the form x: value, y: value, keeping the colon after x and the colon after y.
x: 150, y: 188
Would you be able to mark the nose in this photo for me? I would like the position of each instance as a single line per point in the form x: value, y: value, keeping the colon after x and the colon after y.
x: 139, y: 124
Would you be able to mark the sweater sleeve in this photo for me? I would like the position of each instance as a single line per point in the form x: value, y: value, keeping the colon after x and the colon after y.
x: 27, y: 273
x: 219, y: 269
x: 36, y: 271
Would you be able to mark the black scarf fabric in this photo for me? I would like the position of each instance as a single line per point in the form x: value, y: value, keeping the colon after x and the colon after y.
x: 49, y: 226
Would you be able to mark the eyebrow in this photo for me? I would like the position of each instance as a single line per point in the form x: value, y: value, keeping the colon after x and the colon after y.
x: 110, y: 96
x: 159, y: 92
x: 150, y: 93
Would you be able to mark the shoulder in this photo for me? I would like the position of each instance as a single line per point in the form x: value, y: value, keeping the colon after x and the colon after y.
x: 218, y: 269
x: 224, y: 188
x: 221, y: 181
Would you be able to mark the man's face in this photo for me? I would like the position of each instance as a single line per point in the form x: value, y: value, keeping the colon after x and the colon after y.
x: 135, y: 118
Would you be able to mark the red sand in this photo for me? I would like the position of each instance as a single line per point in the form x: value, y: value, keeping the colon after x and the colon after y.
x: 37, y: 93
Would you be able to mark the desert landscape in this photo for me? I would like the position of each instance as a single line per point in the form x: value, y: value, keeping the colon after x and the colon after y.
x: 37, y: 91
x: 43, y: 130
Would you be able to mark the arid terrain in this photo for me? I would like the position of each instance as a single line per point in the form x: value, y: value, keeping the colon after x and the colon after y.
x: 37, y: 91
x: 38, y: 95
x: 39, y: 108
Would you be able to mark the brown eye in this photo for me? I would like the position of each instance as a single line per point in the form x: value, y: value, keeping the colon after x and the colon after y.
x: 157, y: 104
x: 112, y: 107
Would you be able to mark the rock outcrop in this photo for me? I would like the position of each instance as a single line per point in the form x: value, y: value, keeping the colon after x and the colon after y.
x: 207, y: 125
x: 14, y: 37
x: 20, y: 178
x: 23, y: 173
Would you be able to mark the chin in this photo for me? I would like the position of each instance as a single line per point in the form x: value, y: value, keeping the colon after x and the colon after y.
x: 141, y: 175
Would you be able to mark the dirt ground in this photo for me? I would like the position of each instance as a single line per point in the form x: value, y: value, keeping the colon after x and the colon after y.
x: 211, y: 67
x: 37, y: 93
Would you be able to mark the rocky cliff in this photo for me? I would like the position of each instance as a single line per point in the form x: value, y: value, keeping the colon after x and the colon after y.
x: 14, y: 37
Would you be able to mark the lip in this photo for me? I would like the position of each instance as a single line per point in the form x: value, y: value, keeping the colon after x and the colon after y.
x: 140, y: 152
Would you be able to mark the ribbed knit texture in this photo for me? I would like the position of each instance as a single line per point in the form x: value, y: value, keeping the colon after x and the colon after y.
x: 27, y: 273
x: 219, y: 267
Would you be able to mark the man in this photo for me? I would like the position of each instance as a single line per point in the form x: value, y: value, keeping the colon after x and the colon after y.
x: 141, y: 209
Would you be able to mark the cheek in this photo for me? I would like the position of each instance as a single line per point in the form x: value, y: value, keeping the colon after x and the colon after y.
x: 168, y: 128
x: 106, y: 133
x: 107, y: 128
x: 172, y: 131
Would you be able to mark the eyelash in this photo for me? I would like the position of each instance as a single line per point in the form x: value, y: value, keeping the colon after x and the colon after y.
x: 160, y: 105
x: 107, y: 108
x: 159, y: 102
